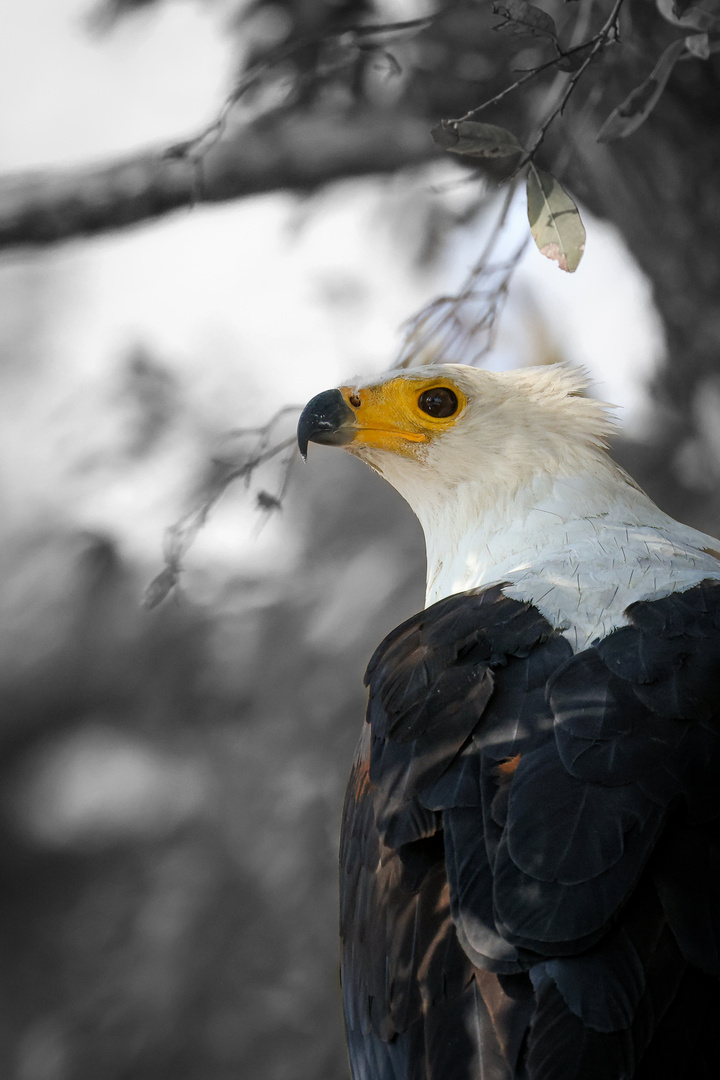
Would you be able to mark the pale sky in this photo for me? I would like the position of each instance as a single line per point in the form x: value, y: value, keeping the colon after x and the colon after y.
x: 71, y: 95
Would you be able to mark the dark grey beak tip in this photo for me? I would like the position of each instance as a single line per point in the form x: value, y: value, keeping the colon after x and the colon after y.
x: 327, y: 420
x: 302, y: 447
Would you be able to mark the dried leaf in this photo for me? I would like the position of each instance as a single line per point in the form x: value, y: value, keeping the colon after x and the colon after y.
x: 687, y: 16
x: 476, y: 140
x: 554, y: 220
x: 159, y: 587
x: 523, y: 18
x: 266, y: 501
x: 637, y: 106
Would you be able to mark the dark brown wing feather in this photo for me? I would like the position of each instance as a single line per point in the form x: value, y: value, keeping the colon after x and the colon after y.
x: 530, y: 858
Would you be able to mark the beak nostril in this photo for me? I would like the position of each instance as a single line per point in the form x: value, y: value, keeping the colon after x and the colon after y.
x: 355, y: 401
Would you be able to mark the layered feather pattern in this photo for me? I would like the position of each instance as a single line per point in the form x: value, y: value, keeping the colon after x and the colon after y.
x: 530, y: 862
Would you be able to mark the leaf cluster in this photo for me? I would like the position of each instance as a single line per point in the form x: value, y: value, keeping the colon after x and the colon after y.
x: 554, y: 218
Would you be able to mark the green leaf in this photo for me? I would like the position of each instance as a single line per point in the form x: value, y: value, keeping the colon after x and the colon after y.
x: 637, y: 106
x: 554, y: 220
x: 523, y: 18
x: 476, y: 140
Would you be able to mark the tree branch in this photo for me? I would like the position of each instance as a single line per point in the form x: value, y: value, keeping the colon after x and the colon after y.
x: 462, y: 328
x: 242, y: 464
x: 278, y: 153
x: 598, y: 43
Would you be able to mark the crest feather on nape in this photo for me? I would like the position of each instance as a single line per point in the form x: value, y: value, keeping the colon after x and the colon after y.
x: 562, y: 391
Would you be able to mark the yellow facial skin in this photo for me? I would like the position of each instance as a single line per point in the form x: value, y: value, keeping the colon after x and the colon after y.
x: 388, y: 416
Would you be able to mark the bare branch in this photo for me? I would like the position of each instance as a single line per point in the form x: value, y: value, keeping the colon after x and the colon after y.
x: 508, y: 89
x: 282, y: 152
x: 596, y: 44
x: 257, y: 447
x: 463, y: 327
x: 587, y: 50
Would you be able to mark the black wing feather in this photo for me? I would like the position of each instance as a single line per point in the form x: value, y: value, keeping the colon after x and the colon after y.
x: 530, y: 858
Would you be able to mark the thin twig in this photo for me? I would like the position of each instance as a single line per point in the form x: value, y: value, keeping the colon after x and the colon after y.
x: 439, y: 326
x: 594, y: 44
x: 598, y: 43
x: 180, y: 537
x: 391, y: 28
x: 514, y: 86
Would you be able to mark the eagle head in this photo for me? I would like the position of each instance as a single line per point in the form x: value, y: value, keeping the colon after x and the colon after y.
x: 433, y: 430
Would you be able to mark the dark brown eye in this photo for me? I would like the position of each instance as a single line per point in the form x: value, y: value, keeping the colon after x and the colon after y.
x: 438, y: 402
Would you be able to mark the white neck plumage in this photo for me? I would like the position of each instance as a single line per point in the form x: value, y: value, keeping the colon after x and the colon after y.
x: 580, y: 546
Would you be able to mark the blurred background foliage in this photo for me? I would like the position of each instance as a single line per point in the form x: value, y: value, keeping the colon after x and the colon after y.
x: 172, y: 780
x: 171, y: 790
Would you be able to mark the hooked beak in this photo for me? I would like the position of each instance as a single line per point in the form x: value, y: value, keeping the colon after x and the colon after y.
x: 326, y: 419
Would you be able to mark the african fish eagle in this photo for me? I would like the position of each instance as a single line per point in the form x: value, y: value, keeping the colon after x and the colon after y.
x: 530, y: 853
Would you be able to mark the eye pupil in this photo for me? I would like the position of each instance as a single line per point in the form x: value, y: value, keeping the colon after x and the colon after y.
x: 438, y: 402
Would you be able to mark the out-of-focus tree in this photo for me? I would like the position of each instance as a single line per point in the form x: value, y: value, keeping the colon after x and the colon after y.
x: 171, y: 784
